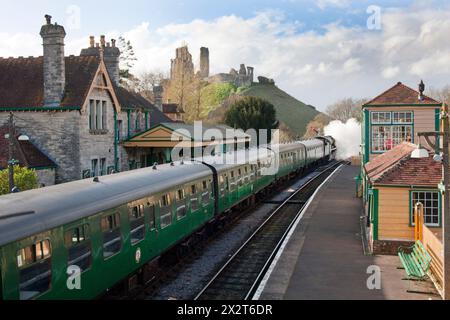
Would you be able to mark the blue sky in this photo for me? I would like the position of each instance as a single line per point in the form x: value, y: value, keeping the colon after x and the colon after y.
x: 100, y: 15
x: 310, y: 47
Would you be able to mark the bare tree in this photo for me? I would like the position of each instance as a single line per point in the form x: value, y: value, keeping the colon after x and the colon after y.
x: 442, y: 95
x: 346, y: 109
x: 317, y: 125
x: 148, y: 80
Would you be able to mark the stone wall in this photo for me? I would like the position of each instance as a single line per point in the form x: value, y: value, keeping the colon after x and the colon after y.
x: 92, y: 144
x: 56, y: 135
x: 64, y: 136
x: 46, y: 177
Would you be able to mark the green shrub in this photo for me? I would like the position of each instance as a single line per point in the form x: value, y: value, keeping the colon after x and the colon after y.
x: 24, y: 179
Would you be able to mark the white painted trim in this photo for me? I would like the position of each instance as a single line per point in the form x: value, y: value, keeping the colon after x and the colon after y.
x: 288, y: 237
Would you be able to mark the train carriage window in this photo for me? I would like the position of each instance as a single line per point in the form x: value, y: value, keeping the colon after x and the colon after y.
x: 205, y: 193
x: 223, y: 182
x: 194, y: 198
x: 240, y: 178
x: 181, y: 204
x: 232, y: 185
x: 112, y: 238
x: 137, y: 223
x: 152, y: 216
x: 79, y: 247
x: 35, y: 271
x: 165, y: 211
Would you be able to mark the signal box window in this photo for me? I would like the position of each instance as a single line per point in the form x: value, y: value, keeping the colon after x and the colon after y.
x: 79, y: 247
x: 35, y: 273
x: 137, y: 223
x: 165, y: 211
x: 112, y: 239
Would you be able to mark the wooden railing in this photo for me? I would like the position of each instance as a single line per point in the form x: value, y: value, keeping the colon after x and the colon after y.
x: 432, y: 240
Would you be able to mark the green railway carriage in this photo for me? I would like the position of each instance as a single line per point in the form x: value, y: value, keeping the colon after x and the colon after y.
x: 108, y: 228
x: 77, y: 240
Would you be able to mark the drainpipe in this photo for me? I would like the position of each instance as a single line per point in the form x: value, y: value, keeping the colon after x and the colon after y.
x: 116, y: 141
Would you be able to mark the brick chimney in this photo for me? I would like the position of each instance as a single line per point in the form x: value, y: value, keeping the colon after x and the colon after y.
x: 157, y: 97
x: 54, y: 65
x: 111, y: 56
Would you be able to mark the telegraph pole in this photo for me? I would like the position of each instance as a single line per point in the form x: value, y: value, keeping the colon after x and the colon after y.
x: 11, y: 155
x: 446, y: 208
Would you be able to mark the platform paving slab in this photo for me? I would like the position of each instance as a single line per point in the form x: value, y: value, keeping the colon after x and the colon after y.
x: 325, y: 260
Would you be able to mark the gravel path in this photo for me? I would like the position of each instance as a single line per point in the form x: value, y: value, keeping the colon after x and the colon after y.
x: 196, y: 274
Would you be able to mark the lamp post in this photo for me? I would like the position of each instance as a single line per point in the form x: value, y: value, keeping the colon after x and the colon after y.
x: 443, y: 156
x: 11, y: 161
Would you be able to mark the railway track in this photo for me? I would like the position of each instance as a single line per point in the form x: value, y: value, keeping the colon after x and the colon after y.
x: 241, y: 275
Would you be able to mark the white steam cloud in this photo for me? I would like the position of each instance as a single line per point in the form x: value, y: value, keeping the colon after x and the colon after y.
x: 348, y: 137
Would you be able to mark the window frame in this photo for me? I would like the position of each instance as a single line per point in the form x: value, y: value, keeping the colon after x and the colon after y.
x: 87, y: 238
x: 131, y: 218
x: 373, y: 113
x: 412, y: 206
x: 181, y: 203
x: 392, y: 130
x: 117, y: 227
x: 169, y: 208
x: 404, y: 113
x: 36, y: 262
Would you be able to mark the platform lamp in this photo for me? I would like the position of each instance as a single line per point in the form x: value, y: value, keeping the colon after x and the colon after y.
x: 11, y: 161
x: 442, y: 155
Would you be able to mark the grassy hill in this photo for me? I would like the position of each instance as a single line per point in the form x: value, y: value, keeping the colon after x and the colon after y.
x: 292, y: 112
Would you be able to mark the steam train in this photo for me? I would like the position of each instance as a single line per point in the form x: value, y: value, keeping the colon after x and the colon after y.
x: 79, y: 239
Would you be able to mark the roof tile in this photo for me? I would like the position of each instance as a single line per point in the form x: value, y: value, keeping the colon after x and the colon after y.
x: 396, y: 167
x: 25, y: 152
x: 401, y: 94
x: 22, y: 81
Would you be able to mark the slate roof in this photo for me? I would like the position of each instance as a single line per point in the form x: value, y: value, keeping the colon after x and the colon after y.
x: 396, y: 167
x: 132, y: 100
x: 22, y: 81
x: 25, y: 152
x: 401, y: 94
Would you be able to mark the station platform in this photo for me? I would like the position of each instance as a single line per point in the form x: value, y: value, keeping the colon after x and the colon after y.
x: 324, y: 258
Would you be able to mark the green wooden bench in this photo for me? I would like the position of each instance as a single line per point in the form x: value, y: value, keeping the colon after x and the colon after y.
x: 415, y: 260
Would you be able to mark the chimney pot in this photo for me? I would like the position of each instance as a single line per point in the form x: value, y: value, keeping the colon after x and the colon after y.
x: 92, y: 41
x: 113, y: 42
x: 102, y: 40
x: 48, y: 19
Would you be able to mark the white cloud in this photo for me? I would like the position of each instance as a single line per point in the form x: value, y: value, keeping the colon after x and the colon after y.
x: 390, y: 72
x: 318, y: 68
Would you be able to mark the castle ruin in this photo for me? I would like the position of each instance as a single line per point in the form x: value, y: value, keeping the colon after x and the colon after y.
x: 182, y: 67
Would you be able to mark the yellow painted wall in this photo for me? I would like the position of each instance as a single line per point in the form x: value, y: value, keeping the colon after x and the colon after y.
x: 393, y: 214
